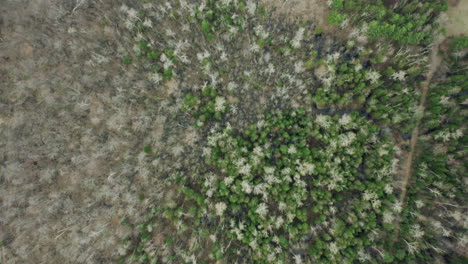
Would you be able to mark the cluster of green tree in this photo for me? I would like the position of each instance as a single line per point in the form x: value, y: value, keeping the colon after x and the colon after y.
x: 389, y: 105
x: 218, y: 17
x: 393, y: 102
x: 287, y: 174
x: 386, y: 89
x: 205, y: 106
x: 433, y: 226
x: 348, y: 85
x: 409, y: 23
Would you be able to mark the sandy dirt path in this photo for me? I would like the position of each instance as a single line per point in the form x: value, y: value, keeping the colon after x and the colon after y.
x: 435, y: 61
x: 455, y: 15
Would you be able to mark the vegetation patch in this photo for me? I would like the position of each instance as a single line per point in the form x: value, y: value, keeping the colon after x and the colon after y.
x: 405, y: 22
x: 312, y: 178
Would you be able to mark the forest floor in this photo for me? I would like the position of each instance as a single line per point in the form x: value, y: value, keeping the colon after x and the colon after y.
x: 302, y: 9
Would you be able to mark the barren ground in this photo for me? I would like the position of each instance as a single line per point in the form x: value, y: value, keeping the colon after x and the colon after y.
x: 457, y: 19
x: 304, y: 9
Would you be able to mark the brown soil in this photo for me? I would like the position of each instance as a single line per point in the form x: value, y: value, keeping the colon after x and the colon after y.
x: 457, y: 19
x: 315, y: 10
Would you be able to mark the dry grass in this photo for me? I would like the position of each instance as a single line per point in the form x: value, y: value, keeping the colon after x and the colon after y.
x: 315, y: 10
x: 71, y: 133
